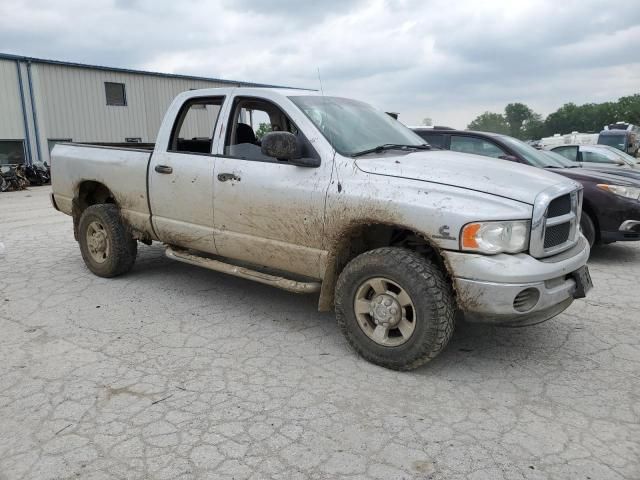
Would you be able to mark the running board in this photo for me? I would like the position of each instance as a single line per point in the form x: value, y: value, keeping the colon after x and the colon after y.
x: 242, y: 272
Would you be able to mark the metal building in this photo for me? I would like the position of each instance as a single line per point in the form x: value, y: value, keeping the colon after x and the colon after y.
x: 47, y: 101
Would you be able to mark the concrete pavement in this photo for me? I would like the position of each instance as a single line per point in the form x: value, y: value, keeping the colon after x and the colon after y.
x: 173, y: 371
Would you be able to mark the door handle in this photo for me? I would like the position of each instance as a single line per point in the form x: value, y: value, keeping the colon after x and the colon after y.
x: 163, y: 169
x: 223, y: 177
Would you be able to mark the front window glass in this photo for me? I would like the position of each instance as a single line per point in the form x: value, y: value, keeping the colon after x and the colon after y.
x: 617, y: 141
x: 477, y: 146
x: 351, y: 126
x: 433, y: 139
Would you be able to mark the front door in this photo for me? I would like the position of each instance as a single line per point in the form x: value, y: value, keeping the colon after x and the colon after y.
x: 268, y: 212
x: 181, y: 178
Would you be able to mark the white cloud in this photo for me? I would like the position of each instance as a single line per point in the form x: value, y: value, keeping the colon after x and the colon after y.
x: 446, y: 60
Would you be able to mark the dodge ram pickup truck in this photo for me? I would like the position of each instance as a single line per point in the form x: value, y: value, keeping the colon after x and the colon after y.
x: 338, y: 199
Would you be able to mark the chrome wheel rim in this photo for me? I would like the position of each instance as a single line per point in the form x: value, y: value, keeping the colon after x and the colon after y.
x: 98, y: 242
x: 385, y: 312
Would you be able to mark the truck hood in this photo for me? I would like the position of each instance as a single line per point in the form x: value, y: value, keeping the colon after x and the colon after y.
x: 483, y: 174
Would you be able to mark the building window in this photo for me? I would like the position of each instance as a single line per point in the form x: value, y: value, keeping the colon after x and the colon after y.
x: 11, y: 152
x: 115, y: 93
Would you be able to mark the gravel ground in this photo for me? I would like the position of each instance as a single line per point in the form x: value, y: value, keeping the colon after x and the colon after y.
x: 178, y: 372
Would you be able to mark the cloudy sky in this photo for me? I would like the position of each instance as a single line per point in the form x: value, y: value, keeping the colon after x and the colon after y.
x: 425, y: 58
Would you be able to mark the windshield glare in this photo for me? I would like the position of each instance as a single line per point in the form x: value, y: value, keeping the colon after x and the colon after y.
x: 539, y: 158
x: 351, y: 126
x: 616, y: 141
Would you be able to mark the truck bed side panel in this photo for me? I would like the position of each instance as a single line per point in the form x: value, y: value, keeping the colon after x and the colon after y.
x: 122, y: 171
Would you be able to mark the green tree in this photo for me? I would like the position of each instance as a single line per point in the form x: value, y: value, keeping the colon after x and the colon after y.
x: 627, y: 109
x: 489, y: 122
x: 263, y: 128
x: 533, y: 128
x: 564, y: 120
x: 427, y: 122
x: 522, y: 122
x: 516, y: 114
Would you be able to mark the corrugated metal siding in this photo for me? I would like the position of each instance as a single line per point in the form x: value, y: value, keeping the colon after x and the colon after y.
x: 11, y: 121
x: 71, y: 103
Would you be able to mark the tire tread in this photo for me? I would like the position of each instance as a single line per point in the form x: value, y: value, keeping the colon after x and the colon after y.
x: 419, y: 269
x: 123, y: 246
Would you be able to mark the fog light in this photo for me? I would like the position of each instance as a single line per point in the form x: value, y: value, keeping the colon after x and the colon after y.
x: 526, y: 299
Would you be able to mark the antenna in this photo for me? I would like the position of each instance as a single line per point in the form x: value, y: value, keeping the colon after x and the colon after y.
x: 320, y: 80
x: 326, y: 113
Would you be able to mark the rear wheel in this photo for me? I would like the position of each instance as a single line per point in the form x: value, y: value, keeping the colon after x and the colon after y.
x: 588, y: 228
x: 107, y: 247
x: 395, y: 307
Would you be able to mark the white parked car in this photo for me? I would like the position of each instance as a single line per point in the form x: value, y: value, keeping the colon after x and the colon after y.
x: 597, y: 156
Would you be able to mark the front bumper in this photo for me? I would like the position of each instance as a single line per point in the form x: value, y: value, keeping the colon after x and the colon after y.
x: 629, y: 231
x: 516, y: 290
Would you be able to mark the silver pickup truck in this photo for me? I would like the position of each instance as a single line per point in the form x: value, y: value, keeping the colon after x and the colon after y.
x: 337, y: 198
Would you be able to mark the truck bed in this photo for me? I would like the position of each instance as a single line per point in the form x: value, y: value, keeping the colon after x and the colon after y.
x: 76, y: 165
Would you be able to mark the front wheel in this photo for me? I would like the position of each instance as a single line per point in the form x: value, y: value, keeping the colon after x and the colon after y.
x: 395, y: 307
x: 107, y: 247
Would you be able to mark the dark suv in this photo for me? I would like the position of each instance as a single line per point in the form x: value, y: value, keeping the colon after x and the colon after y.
x: 611, y: 204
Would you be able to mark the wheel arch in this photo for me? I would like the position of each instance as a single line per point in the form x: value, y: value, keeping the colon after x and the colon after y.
x: 363, y: 236
x: 87, y: 193
x: 589, y: 210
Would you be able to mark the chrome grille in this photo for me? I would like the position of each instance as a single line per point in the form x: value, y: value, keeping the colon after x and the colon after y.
x: 556, y: 235
x: 559, y: 206
x: 556, y: 219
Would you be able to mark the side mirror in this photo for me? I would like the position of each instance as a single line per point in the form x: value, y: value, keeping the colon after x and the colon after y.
x: 285, y: 146
x: 280, y: 145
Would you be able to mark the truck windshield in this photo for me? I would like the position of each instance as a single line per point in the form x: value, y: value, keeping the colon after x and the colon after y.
x: 353, y: 127
x: 537, y: 158
x: 617, y: 141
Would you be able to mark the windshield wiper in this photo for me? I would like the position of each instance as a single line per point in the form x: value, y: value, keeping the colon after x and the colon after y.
x: 391, y: 146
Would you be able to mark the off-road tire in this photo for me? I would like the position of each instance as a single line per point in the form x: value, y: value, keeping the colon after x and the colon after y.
x: 430, y: 292
x: 123, y: 247
x: 588, y: 228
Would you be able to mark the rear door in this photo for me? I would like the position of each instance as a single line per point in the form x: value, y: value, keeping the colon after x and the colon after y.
x: 181, y: 177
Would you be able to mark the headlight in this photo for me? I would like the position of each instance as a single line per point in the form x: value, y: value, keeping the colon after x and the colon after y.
x: 628, y: 192
x: 495, y: 237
